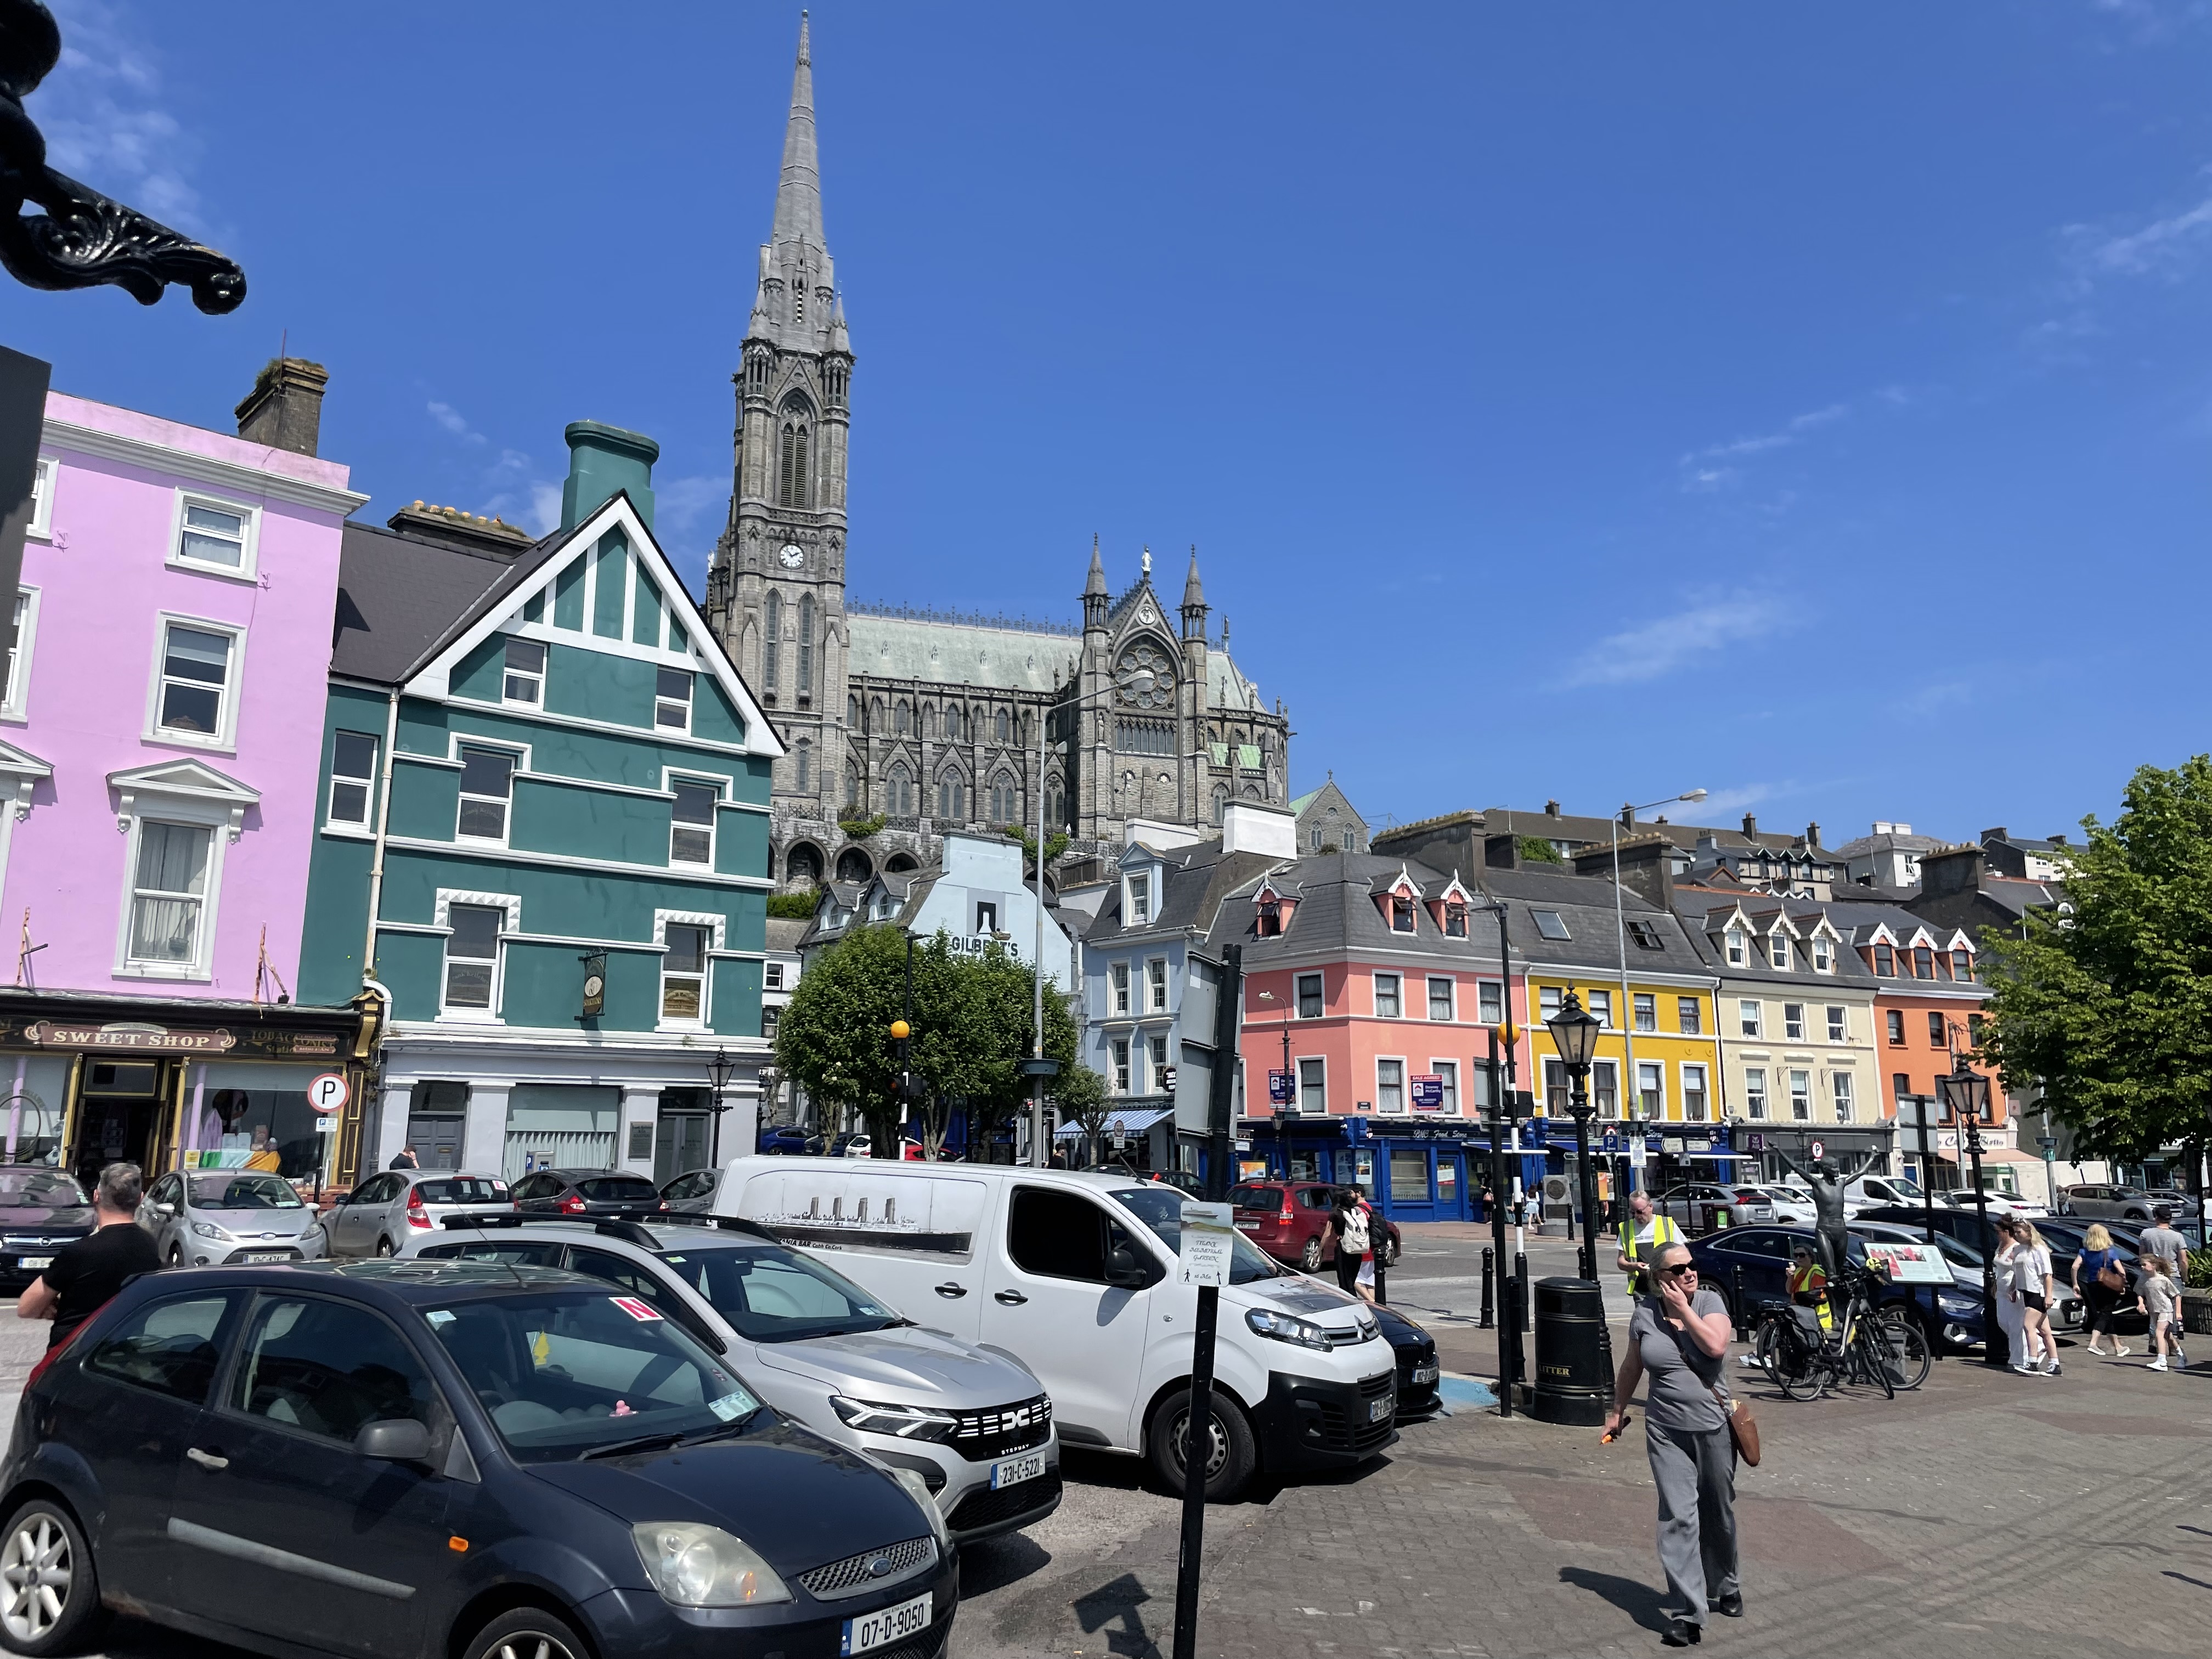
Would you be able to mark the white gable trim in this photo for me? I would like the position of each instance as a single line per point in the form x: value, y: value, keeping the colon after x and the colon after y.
x: 435, y: 679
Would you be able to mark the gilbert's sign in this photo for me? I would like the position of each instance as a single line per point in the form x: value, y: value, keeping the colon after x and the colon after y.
x: 129, y: 1038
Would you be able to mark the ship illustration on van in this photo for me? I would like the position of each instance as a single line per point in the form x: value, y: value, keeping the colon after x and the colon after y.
x: 835, y: 1210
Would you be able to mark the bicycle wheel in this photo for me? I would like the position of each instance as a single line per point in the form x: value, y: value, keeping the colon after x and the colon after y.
x: 1870, y: 1357
x: 1909, y: 1358
x: 1801, y: 1370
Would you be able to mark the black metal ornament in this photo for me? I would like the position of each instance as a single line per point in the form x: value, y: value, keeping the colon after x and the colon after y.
x: 83, y: 239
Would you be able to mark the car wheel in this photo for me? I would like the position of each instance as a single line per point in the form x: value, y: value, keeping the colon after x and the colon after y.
x: 1230, y: 1454
x: 384, y: 1247
x: 49, y: 1590
x: 1309, y: 1257
x: 176, y: 1255
x: 528, y: 1634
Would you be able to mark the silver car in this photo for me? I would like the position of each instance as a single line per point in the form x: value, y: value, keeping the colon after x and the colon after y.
x: 381, y: 1214
x: 2110, y: 1203
x: 973, y: 1422
x: 216, y: 1217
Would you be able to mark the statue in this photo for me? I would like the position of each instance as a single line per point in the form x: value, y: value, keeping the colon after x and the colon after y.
x: 83, y: 239
x: 1828, y: 1206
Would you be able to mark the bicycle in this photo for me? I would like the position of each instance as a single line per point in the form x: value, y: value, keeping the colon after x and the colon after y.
x: 1884, y: 1347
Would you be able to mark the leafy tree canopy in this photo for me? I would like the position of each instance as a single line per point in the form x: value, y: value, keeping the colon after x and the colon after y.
x: 971, y: 1030
x: 793, y: 907
x: 1536, y: 850
x: 1054, y: 844
x: 2109, y: 1007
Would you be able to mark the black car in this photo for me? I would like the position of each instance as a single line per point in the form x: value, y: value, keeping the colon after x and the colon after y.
x: 1754, y: 1263
x: 41, y: 1209
x: 454, y: 1458
x: 585, y: 1192
x: 1416, y: 1349
x: 2061, y: 1234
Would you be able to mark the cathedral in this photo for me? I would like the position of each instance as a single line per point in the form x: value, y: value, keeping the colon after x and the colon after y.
x: 925, y: 719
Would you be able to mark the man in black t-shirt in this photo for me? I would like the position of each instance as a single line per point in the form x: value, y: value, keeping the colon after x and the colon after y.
x: 84, y: 1276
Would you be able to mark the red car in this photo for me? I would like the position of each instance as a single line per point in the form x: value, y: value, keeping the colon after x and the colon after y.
x: 1289, y: 1220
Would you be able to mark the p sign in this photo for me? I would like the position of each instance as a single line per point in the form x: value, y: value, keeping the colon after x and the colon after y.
x: 328, y: 1093
x: 1818, y: 1151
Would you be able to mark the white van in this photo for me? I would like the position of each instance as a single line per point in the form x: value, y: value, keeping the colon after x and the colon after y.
x: 1872, y: 1190
x: 1073, y: 1274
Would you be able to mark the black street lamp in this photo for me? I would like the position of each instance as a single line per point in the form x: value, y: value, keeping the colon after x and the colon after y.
x: 1574, y: 1033
x: 1966, y: 1093
x: 720, y: 1070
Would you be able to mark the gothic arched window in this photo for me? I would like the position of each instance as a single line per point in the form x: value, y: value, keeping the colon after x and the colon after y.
x: 952, y: 723
x: 852, y: 787
x: 805, y: 644
x: 1005, y: 725
x: 803, y: 765
x: 900, y: 719
x: 774, y: 637
x: 951, y: 799
x: 875, y: 714
x: 1220, y: 803
x: 928, y: 721
x: 898, y: 790
x: 1006, y: 800
x: 853, y: 710
x: 791, y: 476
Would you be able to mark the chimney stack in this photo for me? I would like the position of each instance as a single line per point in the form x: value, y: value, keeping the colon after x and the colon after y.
x: 1750, y: 824
x: 1551, y: 809
x: 1999, y: 834
x: 285, y: 408
x: 603, y: 460
x: 1813, y: 832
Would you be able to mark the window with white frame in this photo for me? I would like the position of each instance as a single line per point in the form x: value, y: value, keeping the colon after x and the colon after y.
x: 1119, y: 1049
x: 16, y: 698
x: 683, y: 975
x: 691, y: 822
x: 1647, y: 1012
x: 1388, y: 1003
x: 1793, y: 1021
x: 214, y: 536
x: 771, y: 1018
x: 42, y: 499
x: 195, y: 694
x: 671, y: 700
x: 1156, y: 986
x: 1490, y: 999
x: 1447, y: 1072
x: 168, y: 895
x: 1689, y: 1016
x: 1389, y: 1085
x: 1755, y: 1093
x: 1962, y: 964
x: 1155, y: 1059
x: 1693, y: 1093
x: 487, y: 785
x: 1139, y: 910
x: 1846, y: 1107
x: 1440, y: 998
x: 1824, y: 955
x: 1601, y: 1008
x: 353, y: 777
x: 1801, y: 1097
x: 1312, y: 1086
x: 772, y: 976
x: 1605, y: 1087
x: 1777, y: 949
x: 1309, y: 996
x: 1549, y: 1000
x: 1401, y: 914
x: 1651, y: 1089
x: 1734, y: 940
x: 1118, y: 977
x: 523, y: 677
x: 1746, y: 1015
x: 1555, y: 1087
x: 1839, y: 1029
x: 472, y: 958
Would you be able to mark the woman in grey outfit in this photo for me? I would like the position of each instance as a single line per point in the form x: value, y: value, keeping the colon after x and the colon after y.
x: 1678, y: 1338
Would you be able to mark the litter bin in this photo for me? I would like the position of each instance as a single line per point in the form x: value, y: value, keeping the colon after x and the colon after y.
x: 1574, y: 1370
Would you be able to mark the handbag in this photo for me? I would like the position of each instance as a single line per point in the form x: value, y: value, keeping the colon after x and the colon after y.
x: 1742, y: 1426
x: 2112, y: 1278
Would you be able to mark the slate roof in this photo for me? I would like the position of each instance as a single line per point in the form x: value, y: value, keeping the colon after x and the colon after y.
x: 1889, y: 840
x: 1196, y: 880
x: 1702, y: 910
x: 784, y: 934
x: 402, y: 597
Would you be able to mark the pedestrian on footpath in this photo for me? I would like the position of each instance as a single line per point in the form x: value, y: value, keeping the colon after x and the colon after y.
x: 1347, y: 1237
x: 84, y: 1277
x: 2160, y: 1296
x: 1678, y: 1338
x: 2102, y: 1281
x: 1639, y: 1238
x: 2162, y: 1239
x: 2032, y: 1277
x: 2012, y: 1312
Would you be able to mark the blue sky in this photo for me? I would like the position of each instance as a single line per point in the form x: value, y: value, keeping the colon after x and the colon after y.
x: 1574, y: 401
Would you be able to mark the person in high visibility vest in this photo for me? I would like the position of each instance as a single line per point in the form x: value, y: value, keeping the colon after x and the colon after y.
x: 1640, y: 1235
x: 1809, y: 1286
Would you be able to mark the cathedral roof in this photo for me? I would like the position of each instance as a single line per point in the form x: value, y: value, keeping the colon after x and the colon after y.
x: 959, y: 652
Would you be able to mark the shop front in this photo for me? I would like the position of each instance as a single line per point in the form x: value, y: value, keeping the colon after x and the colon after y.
x: 94, y: 1080
x: 1843, y: 1145
x: 1411, y: 1169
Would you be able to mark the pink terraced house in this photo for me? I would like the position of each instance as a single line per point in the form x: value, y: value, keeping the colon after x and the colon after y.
x: 159, y: 737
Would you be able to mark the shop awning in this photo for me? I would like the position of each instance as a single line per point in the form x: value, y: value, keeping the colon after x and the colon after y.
x: 1133, y: 1122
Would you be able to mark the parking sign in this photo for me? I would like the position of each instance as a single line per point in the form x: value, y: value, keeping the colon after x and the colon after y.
x: 328, y: 1093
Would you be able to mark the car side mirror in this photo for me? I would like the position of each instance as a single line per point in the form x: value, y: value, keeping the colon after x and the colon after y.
x: 395, y: 1440
x: 1126, y: 1270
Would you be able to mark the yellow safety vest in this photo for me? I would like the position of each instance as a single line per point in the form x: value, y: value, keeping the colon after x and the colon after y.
x: 1663, y: 1231
x: 1802, y: 1283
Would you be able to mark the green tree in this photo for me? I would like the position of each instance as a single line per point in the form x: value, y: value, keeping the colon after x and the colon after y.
x: 1534, y: 849
x: 971, y: 1030
x: 1054, y: 845
x: 793, y: 906
x: 1080, y: 1095
x: 2108, y: 1005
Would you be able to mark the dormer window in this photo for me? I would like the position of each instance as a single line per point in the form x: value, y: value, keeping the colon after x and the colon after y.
x: 1733, y: 939
x: 1401, y: 914
x: 1885, y: 961
x: 1778, y: 949
x: 1962, y: 964
x: 1924, y: 962
x: 1454, y: 921
x: 1140, y: 908
x: 1824, y: 956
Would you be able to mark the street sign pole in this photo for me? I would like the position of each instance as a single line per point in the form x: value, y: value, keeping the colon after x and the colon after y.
x: 1208, y: 1240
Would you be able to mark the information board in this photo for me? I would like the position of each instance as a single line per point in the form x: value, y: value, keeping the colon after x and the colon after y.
x: 1209, y: 1235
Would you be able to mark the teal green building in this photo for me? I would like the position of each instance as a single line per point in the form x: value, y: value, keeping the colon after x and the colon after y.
x: 543, y: 838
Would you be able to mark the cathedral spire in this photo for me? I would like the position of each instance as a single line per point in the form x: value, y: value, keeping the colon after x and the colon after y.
x: 1095, y: 584
x: 1193, y: 595
x: 798, y: 191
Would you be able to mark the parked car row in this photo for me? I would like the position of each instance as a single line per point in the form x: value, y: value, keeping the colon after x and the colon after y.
x: 1289, y: 1221
x: 1753, y: 1263
x: 2107, y: 1202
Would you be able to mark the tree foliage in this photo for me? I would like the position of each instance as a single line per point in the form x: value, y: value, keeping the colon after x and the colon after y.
x: 971, y: 1030
x: 793, y: 907
x: 2109, y: 1008
x: 1055, y: 844
x: 861, y: 828
x: 1080, y: 1095
x: 1534, y: 849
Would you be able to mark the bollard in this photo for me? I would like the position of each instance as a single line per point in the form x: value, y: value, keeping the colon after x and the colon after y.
x: 1521, y: 1294
x: 1735, y: 1306
x: 1510, y: 1357
x: 1485, y: 1288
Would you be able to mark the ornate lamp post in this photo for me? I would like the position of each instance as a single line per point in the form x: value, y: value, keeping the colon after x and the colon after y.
x: 1967, y: 1092
x: 720, y: 1070
x: 1574, y: 1033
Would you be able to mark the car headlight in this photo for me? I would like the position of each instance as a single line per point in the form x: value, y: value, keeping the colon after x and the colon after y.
x: 695, y: 1566
x: 918, y: 1489
x: 907, y: 1422
x: 208, y: 1229
x: 1283, y: 1327
x: 1957, y: 1306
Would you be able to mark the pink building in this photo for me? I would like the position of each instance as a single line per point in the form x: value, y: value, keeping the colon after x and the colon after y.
x: 159, y: 737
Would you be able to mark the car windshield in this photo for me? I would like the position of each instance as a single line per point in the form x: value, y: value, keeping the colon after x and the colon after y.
x: 243, y: 1192
x: 565, y: 1374
x: 22, y: 1188
x: 1160, y: 1208
x: 771, y: 1294
x: 1251, y: 1197
x: 461, y: 1189
x: 619, y: 1189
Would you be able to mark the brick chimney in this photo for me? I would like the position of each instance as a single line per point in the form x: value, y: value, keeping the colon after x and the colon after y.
x: 1501, y: 851
x: 1999, y: 834
x: 285, y: 408
x: 1750, y: 824
x: 1813, y: 832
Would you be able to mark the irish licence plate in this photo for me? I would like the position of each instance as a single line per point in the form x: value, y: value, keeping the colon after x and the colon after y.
x: 1424, y: 1375
x: 873, y: 1629
x: 1378, y: 1409
x: 1014, y: 1470
x: 34, y: 1261
x: 264, y: 1255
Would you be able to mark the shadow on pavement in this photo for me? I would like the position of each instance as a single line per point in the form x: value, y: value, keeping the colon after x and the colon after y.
x: 1638, y: 1599
x: 1120, y: 1600
x: 997, y: 1562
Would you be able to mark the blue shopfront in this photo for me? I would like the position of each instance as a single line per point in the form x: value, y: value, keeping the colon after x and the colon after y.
x: 1412, y: 1170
